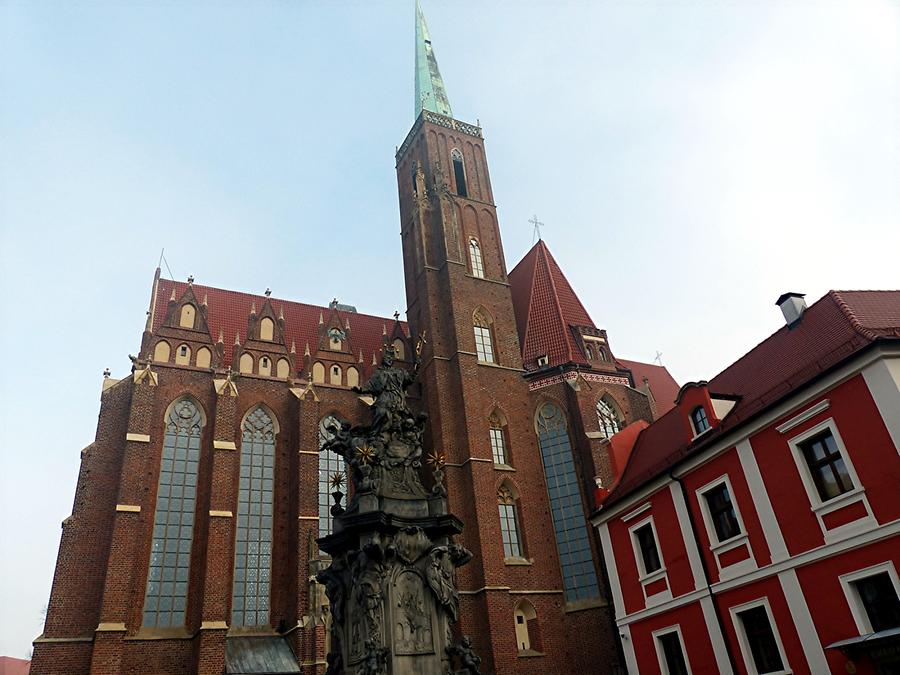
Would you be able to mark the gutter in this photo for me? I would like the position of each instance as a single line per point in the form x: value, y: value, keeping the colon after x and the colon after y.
x: 706, y: 579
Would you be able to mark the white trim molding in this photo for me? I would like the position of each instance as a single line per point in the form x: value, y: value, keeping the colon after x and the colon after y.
x: 820, y: 507
x: 883, y: 380
x: 660, y: 654
x: 857, y: 609
x: 760, y: 496
x: 742, y: 636
x: 612, y: 568
x: 797, y: 420
x: 803, y: 621
x: 691, y: 545
x: 137, y: 438
x: 644, y: 577
x: 717, y: 547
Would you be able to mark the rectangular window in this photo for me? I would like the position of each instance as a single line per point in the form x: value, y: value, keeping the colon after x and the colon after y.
x: 646, y: 541
x: 879, y: 599
x: 509, y: 529
x: 498, y: 445
x: 761, y: 640
x: 826, y: 465
x: 721, y: 512
x: 483, y: 344
x: 672, y: 654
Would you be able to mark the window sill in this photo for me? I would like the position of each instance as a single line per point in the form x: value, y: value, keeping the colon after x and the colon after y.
x: 653, y: 576
x: 705, y: 431
x: 503, y: 467
x: 528, y: 654
x: 729, y: 544
x: 838, y: 502
x: 518, y: 561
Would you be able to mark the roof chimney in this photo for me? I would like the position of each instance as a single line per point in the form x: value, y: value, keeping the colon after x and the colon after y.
x: 792, y: 306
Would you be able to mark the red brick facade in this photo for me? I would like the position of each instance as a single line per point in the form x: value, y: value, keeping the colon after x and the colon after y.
x: 231, y: 353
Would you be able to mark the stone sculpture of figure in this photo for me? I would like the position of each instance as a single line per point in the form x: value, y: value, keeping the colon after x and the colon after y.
x: 388, y: 385
x: 439, y: 574
x: 469, y: 661
x: 340, y: 440
x: 374, y: 659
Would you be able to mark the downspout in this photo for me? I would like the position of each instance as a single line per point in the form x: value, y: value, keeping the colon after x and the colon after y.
x: 706, y: 577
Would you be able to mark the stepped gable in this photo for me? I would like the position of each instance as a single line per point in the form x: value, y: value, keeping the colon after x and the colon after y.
x: 832, y: 329
x: 662, y: 384
x: 229, y: 311
x: 546, y: 306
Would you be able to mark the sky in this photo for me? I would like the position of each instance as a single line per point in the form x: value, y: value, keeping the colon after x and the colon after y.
x: 691, y: 161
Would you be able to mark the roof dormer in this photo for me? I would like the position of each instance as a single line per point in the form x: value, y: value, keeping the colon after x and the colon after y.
x: 702, y: 410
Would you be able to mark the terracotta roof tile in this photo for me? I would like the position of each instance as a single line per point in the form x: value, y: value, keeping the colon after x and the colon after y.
x: 662, y: 384
x: 229, y: 311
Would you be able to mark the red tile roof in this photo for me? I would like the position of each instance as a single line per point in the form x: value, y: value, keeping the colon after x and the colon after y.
x: 837, y: 326
x: 662, y: 384
x: 229, y: 311
x: 546, y: 306
x: 10, y: 665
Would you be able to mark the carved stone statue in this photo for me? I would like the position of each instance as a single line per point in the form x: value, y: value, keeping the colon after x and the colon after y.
x: 469, y: 661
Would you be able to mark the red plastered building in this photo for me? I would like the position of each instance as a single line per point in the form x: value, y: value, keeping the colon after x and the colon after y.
x: 754, y: 528
x: 191, y: 547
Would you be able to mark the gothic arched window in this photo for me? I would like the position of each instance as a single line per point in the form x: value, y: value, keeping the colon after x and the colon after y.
x: 165, y: 599
x: 484, y: 341
x: 329, y: 464
x: 475, y: 258
x: 528, y: 637
x: 497, y: 433
x: 579, y: 576
x: 459, y: 172
x: 609, y: 417
x: 253, y: 537
x: 509, y: 522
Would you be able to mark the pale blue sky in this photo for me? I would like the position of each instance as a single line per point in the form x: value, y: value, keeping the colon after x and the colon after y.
x: 691, y: 161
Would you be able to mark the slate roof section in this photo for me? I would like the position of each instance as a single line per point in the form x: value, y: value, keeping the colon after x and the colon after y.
x: 662, y: 384
x: 546, y: 306
x: 230, y: 312
x: 836, y: 327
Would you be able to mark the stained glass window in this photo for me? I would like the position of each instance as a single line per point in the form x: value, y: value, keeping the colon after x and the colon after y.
x: 509, y: 523
x: 253, y: 540
x: 329, y: 464
x: 165, y: 600
x: 579, y: 576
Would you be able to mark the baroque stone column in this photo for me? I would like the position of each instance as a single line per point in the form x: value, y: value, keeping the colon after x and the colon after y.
x: 392, y: 578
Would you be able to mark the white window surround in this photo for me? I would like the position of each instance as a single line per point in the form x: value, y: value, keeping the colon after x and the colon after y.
x: 822, y: 508
x: 644, y: 578
x: 663, y: 666
x: 742, y: 636
x: 800, y: 418
x: 719, y: 547
x: 857, y: 609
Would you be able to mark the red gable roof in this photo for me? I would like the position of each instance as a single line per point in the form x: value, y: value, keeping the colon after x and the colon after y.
x: 546, y: 306
x: 229, y: 311
x: 662, y: 384
x: 836, y: 327
x: 10, y: 665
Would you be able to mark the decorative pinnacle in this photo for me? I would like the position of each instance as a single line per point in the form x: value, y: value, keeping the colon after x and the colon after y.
x: 237, y: 339
x: 337, y: 480
x: 360, y: 356
x: 173, y: 298
x: 321, y: 318
x: 253, y: 307
x: 221, y: 336
x: 205, y: 299
x: 365, y: 454
x: 281, y: 313
x: 383, y: 329
x: 306, y: 351
x: 293, y: 347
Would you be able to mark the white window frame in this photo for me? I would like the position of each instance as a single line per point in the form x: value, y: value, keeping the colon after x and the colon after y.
x: 660, y: 654
x: 644, y: 578
x: 709, y: 427
x: 857, y: 608
x: 823, y: 508
x: 744, y: 642
x: 717, y: 547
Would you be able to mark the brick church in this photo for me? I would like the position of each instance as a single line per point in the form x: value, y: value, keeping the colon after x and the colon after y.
x: 191, y: 547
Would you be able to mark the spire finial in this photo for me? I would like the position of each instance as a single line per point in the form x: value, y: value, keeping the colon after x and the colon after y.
x: 268, y: 292
x: 253, y: 307
x: 430, y: 92
x: 206, y: 299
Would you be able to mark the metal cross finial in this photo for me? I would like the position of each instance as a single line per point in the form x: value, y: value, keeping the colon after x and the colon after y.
x: 191, y: 279
x: 537, y: 227
x: 658, y: 358
x: 396, y: 316
x: 268, y: 292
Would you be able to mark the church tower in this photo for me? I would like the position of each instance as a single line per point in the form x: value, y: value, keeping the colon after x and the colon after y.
x: 473, y: 386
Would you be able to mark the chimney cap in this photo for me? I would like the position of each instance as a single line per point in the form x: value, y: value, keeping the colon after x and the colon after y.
x: 789, y: 295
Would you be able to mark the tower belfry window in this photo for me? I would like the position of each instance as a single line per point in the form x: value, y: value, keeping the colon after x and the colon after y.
x: 459, y: 173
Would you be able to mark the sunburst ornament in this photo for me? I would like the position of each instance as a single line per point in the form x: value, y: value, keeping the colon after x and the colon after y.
x: 436, y: 459
x: 337, y: 480
x: 365, y: 454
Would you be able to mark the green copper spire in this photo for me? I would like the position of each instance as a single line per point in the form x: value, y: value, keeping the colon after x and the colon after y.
x: 430, y: 92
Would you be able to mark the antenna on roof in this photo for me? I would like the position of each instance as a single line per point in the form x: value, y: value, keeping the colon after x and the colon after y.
x: 658, y: 358
x: 162, y: 259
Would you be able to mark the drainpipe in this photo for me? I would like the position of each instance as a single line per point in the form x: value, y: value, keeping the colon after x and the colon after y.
x: 706, y: 577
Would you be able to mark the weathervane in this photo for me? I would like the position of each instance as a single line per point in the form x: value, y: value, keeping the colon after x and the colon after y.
x: 537, y: 227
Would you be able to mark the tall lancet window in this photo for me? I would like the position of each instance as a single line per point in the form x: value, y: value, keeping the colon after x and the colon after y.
x: 608, y: 417
x: 484, y: 339
x: 329, y: 464
x: 475, y: 256
x: 165, y: 600
x: 579, y: 577
x: 253, y: 539
x: 459, y: 173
